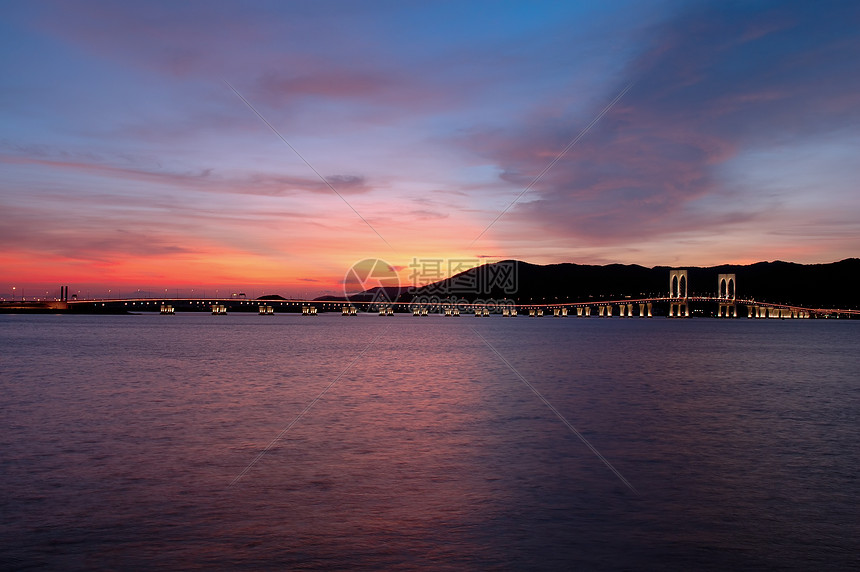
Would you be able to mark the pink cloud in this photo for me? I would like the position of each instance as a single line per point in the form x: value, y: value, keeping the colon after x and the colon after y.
x: 325, y: 83
x: 266, y: 184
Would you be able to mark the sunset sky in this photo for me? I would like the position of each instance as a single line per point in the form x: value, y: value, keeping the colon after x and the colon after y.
x: 127, y: 162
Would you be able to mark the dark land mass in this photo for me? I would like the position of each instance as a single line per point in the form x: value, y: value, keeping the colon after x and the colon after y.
x: 833, y: 285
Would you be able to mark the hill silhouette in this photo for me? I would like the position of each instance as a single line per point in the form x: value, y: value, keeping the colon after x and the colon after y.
x: 833, y: 285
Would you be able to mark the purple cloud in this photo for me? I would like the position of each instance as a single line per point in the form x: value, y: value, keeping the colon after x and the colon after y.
x: 717, y: 80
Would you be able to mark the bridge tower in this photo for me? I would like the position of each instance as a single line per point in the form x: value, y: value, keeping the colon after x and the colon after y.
x: 726, y: 285
x: 678, y: 305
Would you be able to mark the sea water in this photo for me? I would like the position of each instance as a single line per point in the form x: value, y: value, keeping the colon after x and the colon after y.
x: 328, y: 442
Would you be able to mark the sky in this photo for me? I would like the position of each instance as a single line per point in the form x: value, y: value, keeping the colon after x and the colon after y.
x: 268, y: 147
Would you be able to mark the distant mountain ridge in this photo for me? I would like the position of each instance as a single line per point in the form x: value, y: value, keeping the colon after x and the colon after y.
x: 379, y: 293
x: 832, y: 285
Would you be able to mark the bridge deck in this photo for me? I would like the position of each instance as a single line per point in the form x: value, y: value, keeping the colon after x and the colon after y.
x: 203, y: 304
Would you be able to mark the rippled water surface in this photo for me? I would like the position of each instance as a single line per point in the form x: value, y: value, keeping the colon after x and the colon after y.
x: 121, y: 436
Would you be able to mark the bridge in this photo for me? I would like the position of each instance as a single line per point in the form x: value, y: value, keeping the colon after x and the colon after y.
x: 678, y: 304
x: 640, y: 307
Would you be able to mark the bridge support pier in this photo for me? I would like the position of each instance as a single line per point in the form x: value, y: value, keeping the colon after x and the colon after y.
x: 727, y: 310
x: 679, y: 309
